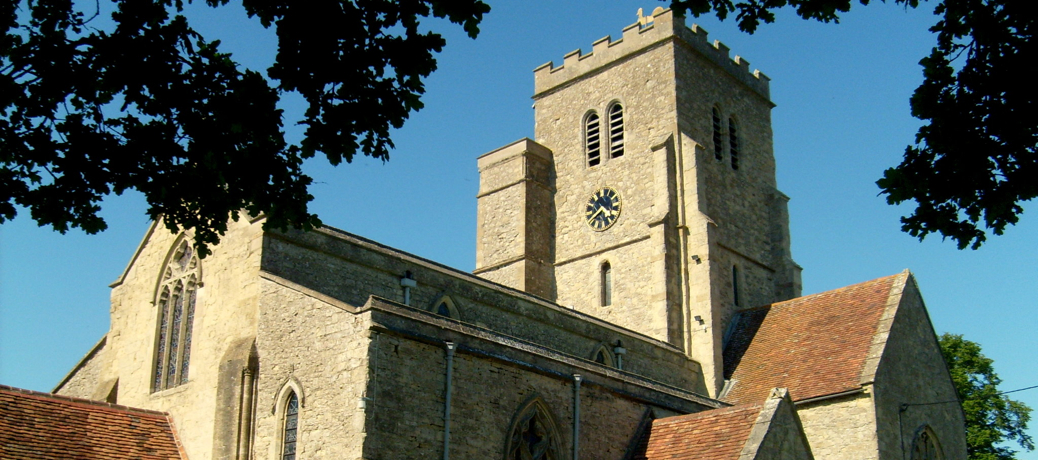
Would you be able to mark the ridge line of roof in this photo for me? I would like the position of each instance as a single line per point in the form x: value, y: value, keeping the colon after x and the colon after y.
x: 39, y: 395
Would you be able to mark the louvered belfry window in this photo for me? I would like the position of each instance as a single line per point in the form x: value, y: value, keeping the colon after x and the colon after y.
x: 176, y: 313
x: 593, y: 139
x: 616, y: 131
x: 733, y: 143
x: 718, y: 147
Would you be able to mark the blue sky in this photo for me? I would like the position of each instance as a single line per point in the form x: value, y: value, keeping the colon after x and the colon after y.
x: 841, y: 118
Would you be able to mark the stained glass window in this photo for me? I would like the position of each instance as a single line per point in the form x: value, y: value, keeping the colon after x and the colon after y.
x: 288, y: 452
x: 176, y: 315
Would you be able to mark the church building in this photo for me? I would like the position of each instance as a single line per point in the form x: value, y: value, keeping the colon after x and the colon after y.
x: 634, y: 297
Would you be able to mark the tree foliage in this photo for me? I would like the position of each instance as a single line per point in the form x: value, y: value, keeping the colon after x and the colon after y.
x: 991, y: 417
x: 150, y: 104
x: 974, y: 160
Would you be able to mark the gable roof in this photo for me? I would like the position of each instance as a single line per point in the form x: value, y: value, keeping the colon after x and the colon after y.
x: 817, y: 345
x: 46, y: 426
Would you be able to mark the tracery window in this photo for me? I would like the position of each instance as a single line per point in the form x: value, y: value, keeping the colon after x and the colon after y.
x: 592, y: 139
x: 290, y: 433
x: 533, y: 435
x: 718, y: 147
x: 733, y: 143
x: 607, y: 284
x: 925, y: 446
x: 176, y: 316
x: 616, y: 131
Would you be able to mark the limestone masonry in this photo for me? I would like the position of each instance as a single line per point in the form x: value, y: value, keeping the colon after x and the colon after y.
x: 634, y: 297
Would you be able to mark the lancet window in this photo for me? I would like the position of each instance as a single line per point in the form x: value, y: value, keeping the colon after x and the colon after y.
x: 177, y: 293
x: 607, y: 284
x: 290, y: 432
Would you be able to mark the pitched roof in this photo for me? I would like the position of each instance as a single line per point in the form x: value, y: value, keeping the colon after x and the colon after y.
x: 718, y: 434
x: 46, y: 426
x: 815, y: 345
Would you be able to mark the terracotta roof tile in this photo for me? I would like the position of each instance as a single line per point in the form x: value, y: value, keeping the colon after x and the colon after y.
x: 718, y: 434
x: 814, y: 345
x: 37, y: 425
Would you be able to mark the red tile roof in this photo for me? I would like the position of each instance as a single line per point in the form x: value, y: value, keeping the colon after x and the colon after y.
x: 718, y: 434
x: 37, y: 425
x: 815, y: 345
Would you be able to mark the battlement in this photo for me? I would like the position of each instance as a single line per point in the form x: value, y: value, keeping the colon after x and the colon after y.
x: 661, y: 26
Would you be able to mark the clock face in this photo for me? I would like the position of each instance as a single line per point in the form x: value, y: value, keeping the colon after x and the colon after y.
x: 603, y: 208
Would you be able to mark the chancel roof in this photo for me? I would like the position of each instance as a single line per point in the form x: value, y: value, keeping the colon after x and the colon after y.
x: 815, y: 346
x: 37, y: 425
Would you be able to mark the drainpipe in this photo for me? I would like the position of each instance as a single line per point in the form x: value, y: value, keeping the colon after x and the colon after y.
x: 447, y: 402
x: 576, y: 416
x: 407, y: 282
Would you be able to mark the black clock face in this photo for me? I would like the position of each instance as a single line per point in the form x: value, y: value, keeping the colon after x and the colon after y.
x: 602, y: 209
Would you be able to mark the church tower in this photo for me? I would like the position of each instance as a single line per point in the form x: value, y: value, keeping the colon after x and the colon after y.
x: 648, y: 198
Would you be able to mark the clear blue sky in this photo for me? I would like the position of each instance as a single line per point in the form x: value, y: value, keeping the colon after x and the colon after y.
x: 842, y: 117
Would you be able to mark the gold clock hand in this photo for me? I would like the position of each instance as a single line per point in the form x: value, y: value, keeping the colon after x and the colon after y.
x: 592, y: 217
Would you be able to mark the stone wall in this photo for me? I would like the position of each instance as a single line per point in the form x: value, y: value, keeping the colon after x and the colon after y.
x: 350, y: 269
x: 85, y: 380
x: 320, y: 350
x: 913, y: 372
x: 841, y: 428
x: 493, y: 377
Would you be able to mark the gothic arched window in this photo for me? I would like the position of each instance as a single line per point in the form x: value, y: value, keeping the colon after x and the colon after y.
x: 176, y: 316
x: 602, y: 356
x: 718, y: 147
x: 445, y: 306
x: 533, y: 435
x: 607, y: 284
x: 290, y: 432
x: 925, y: 446
x: 592, y: 139
x: 616, y: 131
x: 733, y: 143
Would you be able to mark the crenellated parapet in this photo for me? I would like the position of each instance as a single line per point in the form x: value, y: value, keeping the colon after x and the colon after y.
x: 660, y: 27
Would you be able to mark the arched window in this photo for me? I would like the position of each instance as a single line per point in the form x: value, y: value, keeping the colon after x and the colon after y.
x: 925, y: 446
x: 616, y: 131
x: 718, y: 147
x: 176, y: 316
x: 735, y: 285
x: 607, y: 284
x: 445, y: 306
x: 733, y: 143
x: 592, y: 139
x: 602, y: 356
x: 534, y: 435
x: 290, y: 433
